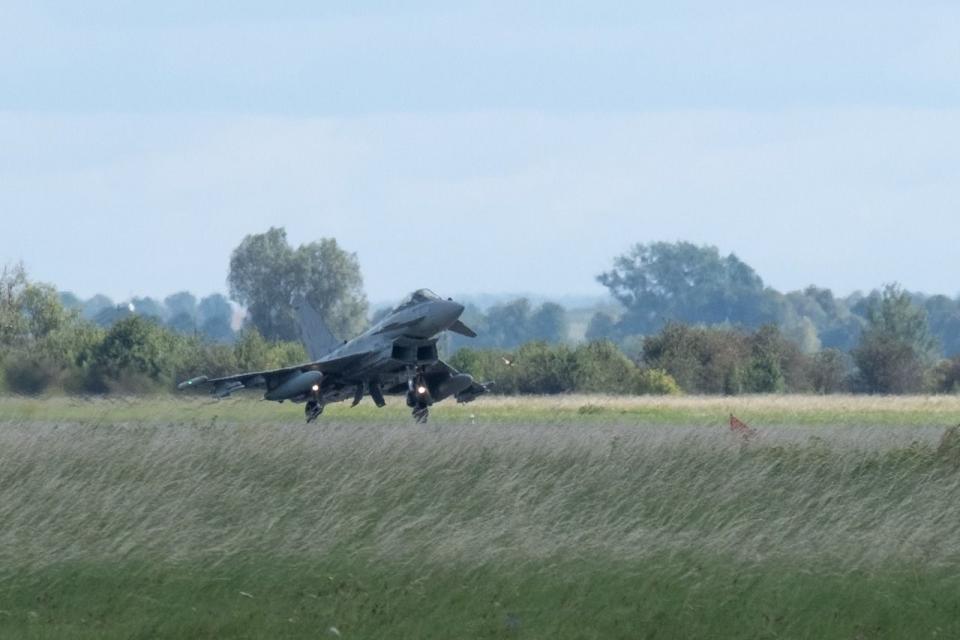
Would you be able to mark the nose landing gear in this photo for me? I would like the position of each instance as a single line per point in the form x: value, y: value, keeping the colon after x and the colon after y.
x: 421, y: 413
x: 312, y: 410
x: 418, y: 399
x: 420, y: 404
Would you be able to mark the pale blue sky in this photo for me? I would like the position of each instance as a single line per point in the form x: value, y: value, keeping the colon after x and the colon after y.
x: 480, y: 149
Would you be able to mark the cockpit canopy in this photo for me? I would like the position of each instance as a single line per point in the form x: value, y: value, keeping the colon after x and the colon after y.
x: 417, y: 297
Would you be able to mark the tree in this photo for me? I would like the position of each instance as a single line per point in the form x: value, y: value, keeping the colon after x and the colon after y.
x: 729, y: 361
x: 601, y: 326
x: 183, y: 323
x: 488, y: 365
x: 837, y: 327
x: 111, y: 315
x: 253, y: 353
x: 215, y: 315
x: 655, y: 382
x: 599, y: 367
x: 544, y: 369
x: 888, y: 365
x: 538, y: 367
x: 661, y: 282
x: 181, y: 303
x: 896, y: 347
x: 13, y: 282
x: 946, y: 376
x: 214, y: 306
x: 29, y: 311
x: 195, y: 355
x: 266, y: 274
x: 508, y: 324
x: 182, y: 310
x: 69, y: 300
x: 40, y: 340
x: 135, y: 355
x: 830, y: 371
x: 95, y: 306
x: 700, y: 359
x: 549, y: 323
x: 764, y: 373
x: 943, y: 314
x: 148, y: 307
x: 42, y: 310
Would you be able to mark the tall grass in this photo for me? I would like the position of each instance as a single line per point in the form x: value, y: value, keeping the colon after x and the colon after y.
x: 125, y: 528
x: 578, y: 409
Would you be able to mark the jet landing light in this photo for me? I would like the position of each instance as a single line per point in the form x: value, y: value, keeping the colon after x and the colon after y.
x: 192, y: 382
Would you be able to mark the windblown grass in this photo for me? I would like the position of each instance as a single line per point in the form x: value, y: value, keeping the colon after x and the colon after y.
x: 769, y: 410
x: 116, y: 524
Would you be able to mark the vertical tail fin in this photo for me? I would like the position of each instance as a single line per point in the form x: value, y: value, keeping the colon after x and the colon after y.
x: 314, y: 332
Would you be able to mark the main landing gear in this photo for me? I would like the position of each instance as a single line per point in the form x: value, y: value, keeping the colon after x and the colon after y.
x: 312, y: 410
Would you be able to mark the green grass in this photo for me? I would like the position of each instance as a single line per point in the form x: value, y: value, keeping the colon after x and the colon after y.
x: 628, y: 519
x: 666, y: 597
x: 773, y: 410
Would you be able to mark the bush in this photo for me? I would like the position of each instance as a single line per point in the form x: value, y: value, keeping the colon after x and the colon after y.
x: 253, y: 353
x: 699, y: 359
x: 489, y: 365
x: 197, y: 356
x: 764, y: 370
x: 946, y: 376
x: 715, y: 360
x: 896, y: 348
x: 136, y: 355
x: 28, y: 375
x: 599, y: 367
x: 830, y: 371
x: 468, y: 360
x: 777, y: 364
x: 888, y: 365
x: 654, y: 382
x: 540, y: 368
x: 544, y: 369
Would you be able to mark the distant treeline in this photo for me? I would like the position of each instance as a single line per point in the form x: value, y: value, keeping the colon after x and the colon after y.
x: 715, y: 360
x: 46, y: 345
x: 662, y: 283
x: 181, y: 312
x: 686, y: 319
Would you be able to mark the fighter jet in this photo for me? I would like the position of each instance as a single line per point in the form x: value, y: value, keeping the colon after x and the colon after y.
x: 397, y: 356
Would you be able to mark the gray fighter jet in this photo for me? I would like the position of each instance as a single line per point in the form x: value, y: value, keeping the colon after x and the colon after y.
x: 397, y: 356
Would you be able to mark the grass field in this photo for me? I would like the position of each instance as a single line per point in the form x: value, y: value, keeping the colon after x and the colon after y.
x: 786, y: 410
x: 579, y: 517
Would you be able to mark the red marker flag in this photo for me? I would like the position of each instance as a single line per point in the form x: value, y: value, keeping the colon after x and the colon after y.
x: 741, y: 428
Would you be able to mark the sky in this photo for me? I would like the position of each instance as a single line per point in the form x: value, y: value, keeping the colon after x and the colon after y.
x: 480, y: 148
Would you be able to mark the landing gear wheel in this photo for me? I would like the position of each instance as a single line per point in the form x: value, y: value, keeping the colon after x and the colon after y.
x: 421, y: 413
x: 313, y: 410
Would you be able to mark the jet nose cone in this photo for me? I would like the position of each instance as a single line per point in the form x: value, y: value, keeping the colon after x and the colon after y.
x: 441, y: 316
x: 451, y: 311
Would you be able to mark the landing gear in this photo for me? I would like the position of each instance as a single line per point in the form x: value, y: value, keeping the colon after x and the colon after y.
x: 312, y: 410
x: 421, y: 413
x: 418, y: 397
x: 420, y: 403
